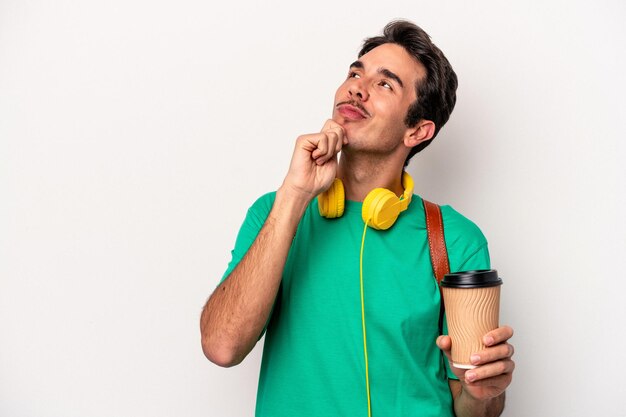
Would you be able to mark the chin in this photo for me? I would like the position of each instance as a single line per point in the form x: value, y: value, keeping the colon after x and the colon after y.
x: 339, y: 119
x: 352, y: 130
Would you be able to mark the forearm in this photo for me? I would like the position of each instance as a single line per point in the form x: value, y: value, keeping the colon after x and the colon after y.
x: 467, y: 406
x: 235, y: 314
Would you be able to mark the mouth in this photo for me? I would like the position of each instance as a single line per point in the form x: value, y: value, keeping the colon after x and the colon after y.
x: 352, y: 111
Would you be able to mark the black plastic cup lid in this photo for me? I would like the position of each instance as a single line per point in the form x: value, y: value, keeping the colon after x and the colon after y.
x: 472, y: 279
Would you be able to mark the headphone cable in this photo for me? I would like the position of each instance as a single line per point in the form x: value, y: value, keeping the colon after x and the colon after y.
x: 367, y: 377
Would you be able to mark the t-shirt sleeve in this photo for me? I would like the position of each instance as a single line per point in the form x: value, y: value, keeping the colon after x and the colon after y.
x: 467, y: 250
x: 252, y: 224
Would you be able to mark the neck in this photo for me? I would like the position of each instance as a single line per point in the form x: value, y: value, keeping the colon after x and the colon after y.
x: 361, y: 174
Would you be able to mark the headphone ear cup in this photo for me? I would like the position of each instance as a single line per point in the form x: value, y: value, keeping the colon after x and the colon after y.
x: 331, y: 202
x: 380, y: 209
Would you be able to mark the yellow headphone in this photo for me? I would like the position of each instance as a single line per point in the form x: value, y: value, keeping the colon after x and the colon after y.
x: 381, y: 206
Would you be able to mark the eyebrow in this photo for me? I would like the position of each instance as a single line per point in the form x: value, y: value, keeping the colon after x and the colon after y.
x: 384, y: 71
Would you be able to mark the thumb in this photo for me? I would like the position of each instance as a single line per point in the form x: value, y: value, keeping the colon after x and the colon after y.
x: 331, y: 124
x: 445, y: 344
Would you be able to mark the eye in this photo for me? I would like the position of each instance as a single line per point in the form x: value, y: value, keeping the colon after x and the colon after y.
x: 353, y: 74
x: 386, y: 85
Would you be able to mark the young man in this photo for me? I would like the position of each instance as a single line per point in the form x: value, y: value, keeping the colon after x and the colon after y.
x: 298, y: 275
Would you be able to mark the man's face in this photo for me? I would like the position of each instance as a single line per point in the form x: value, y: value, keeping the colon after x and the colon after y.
x: 373, y: 101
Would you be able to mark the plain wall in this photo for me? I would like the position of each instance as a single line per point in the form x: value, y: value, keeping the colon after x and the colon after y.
x: 135, y: 134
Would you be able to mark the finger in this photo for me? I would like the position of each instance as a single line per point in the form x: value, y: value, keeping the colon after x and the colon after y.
x: 490, y: 370
x: 499, y: 335
x: 308, y: 142
x: 321, y: 146
x: 334, y: 143
x: 331, y: 149
x: 500, y: 382
x: 444, y: 343
x: 341, y: 137
x: 331, y: 124
x: 326, y: 148
x: 492, y: 354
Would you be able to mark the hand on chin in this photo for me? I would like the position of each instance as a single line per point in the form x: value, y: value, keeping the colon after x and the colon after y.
x: 348, y: 127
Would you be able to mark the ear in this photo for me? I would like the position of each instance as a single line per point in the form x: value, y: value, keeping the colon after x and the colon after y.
x: 421, y: 132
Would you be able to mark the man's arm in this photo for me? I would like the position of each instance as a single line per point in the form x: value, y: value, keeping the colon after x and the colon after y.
x: 235, y: 314
x: 480, y: 392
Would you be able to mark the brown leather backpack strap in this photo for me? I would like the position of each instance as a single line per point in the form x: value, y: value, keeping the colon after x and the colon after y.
x: 436, y: 240
x: 437, y: 246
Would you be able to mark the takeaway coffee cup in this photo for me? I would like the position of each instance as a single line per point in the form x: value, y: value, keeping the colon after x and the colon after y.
x: 472, y: 304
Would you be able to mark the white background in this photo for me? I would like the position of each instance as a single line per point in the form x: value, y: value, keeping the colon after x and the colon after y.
x: 135, y: 134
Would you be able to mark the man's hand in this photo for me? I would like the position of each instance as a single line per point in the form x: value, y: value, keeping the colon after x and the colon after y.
x: 314, y: 162
x: 494, y: 365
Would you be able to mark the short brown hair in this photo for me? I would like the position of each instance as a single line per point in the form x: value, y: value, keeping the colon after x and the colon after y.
x: 436, y: 94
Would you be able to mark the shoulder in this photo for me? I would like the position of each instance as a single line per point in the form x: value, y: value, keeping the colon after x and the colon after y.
x: 460, y: 232
x: 264, y: 202
x: 262, y: 206
x: 466, y: 243
x: 458, y: 227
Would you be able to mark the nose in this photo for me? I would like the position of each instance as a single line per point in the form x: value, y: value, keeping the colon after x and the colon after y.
x: 357, y: 89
